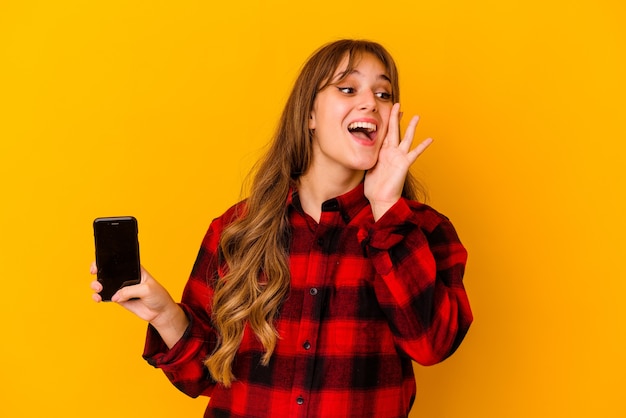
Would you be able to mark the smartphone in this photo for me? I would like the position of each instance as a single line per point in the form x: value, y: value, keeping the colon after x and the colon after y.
x: 117, y: 253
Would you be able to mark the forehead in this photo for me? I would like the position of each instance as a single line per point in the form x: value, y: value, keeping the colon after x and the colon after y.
x: 363, y: 63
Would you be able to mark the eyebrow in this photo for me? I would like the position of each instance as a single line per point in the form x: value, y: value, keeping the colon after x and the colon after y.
x: 344, y: 74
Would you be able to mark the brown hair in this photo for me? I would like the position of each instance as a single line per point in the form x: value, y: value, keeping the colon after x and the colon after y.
x: 255, y: 247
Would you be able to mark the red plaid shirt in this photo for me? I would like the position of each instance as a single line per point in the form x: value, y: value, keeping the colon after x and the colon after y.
x: 365, y: 299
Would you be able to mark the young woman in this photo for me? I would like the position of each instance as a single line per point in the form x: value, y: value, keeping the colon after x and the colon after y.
x: 311, y: 297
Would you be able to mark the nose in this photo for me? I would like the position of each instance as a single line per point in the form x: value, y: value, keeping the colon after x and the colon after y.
x: 367, y: 101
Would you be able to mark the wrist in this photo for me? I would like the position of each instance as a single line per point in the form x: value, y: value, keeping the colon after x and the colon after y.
x: 380, y: 208
x: 171, y: 324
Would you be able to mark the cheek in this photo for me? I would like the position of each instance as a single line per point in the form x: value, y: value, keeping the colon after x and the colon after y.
x: 379, y: 145
x: 385, y: 117
x: 385, y: 112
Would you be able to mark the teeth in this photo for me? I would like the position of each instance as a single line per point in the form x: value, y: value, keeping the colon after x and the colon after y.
x: 370, y: 127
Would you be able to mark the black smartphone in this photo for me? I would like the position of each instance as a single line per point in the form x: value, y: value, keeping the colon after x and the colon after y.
x: 117, y: 253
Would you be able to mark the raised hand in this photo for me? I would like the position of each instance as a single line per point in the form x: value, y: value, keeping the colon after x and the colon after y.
x: 384, y: 182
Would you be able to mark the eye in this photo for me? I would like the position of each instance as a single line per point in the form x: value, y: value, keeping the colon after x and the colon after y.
x: 383, y: 95
x: 346, y: 90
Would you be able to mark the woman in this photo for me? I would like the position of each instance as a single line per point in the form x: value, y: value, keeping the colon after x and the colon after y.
x: 312, y: 296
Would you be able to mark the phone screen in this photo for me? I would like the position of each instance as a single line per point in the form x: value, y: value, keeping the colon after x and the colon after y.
x: 117, y: 253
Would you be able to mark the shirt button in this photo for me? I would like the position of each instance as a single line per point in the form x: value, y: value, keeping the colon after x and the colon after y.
x: 313, y: 291
x: 320, y: 242
x: 299, y: 400
x: 306, y: 345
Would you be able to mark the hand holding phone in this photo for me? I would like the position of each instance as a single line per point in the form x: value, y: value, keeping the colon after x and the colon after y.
x: 117, y: 253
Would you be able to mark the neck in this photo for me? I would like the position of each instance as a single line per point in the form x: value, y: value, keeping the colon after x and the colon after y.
x: 317, y: 186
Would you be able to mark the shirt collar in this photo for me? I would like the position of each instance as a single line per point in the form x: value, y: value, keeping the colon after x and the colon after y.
x: 348, y: 204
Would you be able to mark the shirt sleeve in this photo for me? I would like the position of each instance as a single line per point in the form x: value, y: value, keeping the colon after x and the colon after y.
x: 420, y: 262
x: 183, y: 364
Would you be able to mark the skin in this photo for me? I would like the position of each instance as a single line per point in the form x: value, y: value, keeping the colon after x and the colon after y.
x: 151, y: 302
x: 340, y: 160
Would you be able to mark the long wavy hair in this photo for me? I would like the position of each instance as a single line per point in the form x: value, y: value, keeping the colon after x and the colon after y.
x: 255, y: 247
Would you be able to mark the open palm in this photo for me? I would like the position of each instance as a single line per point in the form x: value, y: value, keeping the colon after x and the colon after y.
x: 384, y: 182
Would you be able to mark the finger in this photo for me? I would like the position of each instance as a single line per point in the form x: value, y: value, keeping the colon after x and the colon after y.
x: 144, y: 275
x: 127, y: 293
x: 96, y: 286
x: 418, y: 150
x: 93, y: 269
x: 136, y: 291
x: 407, y: 140
x: 96, y: 297
x: 393, y: 131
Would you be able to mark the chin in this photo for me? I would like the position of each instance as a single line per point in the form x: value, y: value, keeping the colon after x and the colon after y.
x: 362, y: 164
x: 368, y: 165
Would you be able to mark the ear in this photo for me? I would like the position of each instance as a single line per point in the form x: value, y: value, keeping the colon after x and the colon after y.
x: 312, y: 120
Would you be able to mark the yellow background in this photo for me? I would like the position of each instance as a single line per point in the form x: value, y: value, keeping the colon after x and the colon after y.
x: 157, y: 109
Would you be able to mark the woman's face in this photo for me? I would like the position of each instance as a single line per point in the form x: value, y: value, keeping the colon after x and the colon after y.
x: 350, y: 117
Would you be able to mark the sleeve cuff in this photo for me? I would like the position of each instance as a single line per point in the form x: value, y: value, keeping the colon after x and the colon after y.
x: 392, y: 227
x: 156, y: 352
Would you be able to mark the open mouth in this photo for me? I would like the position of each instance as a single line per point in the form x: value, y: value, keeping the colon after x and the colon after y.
x: 364, y: 130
